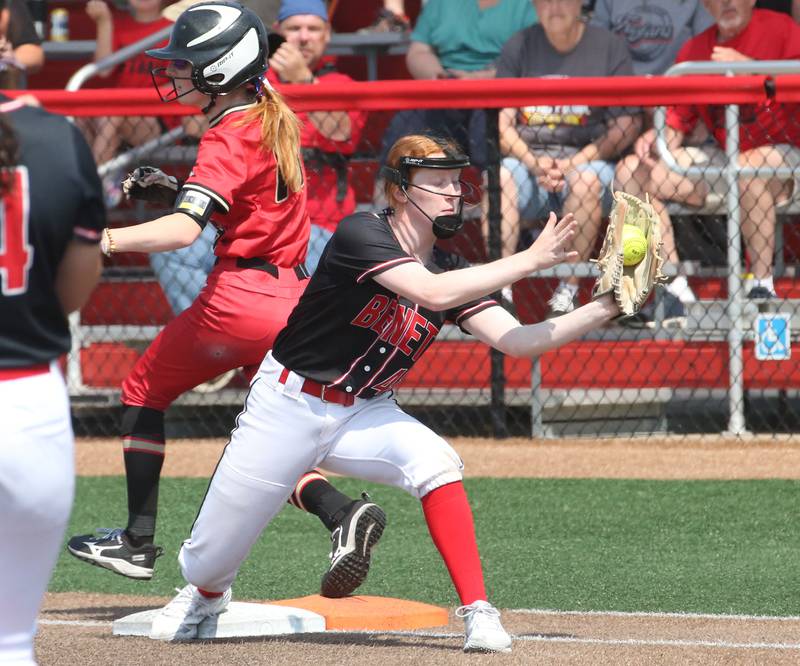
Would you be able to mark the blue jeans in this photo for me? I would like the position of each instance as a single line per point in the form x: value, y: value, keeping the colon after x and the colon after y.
x: 535, y: 203
x: 182, y: 273
x: 317, y: 243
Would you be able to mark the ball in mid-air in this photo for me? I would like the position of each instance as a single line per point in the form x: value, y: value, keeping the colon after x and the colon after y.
x: 634, y: 245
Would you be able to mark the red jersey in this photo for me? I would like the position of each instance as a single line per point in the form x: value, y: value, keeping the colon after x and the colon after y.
x: 768, y: 36
x: 135, y: 73
x: 260, y: 216
x: 325, y: 206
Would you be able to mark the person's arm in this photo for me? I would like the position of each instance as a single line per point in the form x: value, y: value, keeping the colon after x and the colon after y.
x: 78, y: 274
x: 620, y: 133
x: 288, y: 63
x: 31, y: 56
x: 543, y: 167
x: 170, y: 232
x: 646, y: 144
x: 511, y: 143
x: 423, y: 63
x: 100, y: 13
x: 25, y: 45
x: 497, y: 328
x: 442, y: 291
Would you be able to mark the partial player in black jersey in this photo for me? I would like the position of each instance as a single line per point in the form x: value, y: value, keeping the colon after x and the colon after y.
x: 322, y: 396
x: 51, y: 214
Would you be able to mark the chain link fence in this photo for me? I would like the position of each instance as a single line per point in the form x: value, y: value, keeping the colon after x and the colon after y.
x: 711, y: 353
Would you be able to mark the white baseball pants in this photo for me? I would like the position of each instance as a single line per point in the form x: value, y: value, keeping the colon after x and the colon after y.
x: 37, y: 483
x: 282, y: 433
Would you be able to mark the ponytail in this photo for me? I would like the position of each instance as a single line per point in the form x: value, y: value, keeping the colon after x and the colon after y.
x: 280, y: 133
x: 8, y: 154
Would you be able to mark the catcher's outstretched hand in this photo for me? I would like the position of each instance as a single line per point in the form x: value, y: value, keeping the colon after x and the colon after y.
x: 631, y: 285
x: 554, y: 244
x: 148, y: 183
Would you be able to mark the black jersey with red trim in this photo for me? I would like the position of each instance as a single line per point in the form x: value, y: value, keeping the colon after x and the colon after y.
x: 350, y: 332
x: 56, y: 197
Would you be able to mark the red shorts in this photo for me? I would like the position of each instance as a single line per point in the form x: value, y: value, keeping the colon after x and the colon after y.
x: 232, y: 324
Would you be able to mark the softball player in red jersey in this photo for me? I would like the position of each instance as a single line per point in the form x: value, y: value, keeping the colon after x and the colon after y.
x: 51, y: 216
x: 322, y: 396
x: 247, y: 181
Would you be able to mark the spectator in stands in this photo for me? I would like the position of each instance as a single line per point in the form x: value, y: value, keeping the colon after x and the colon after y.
x: 20, y: 47
x: 654, y: 31
x: 558, y: 157
x: 328, y: 138
x: 456, y: 40
x: 392, y: 17
x: 769, y: 136
x: 116, y: 30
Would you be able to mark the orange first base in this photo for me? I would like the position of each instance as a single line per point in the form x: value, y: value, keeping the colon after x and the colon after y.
x: 371, y: 613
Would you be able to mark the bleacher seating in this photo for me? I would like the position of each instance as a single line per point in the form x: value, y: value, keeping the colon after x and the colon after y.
x: 129, y: 307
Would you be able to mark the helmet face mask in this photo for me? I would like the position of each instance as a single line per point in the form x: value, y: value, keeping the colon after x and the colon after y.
x: 225, y: 44
x: 164, y: 82
x: 444, y: 226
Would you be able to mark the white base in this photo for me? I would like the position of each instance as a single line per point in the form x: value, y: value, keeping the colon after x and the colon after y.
x: 239, y: 619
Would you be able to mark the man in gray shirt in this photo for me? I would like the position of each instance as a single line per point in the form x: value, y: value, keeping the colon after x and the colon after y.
x: 654, y: 30
x: 558, y: 157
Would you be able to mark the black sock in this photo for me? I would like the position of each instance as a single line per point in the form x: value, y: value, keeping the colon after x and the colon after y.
x: 139, y: 541
x: 324, y: 501
x: 145, y: 427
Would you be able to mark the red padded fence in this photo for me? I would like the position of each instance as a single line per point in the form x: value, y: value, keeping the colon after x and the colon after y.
x: 497, y: 93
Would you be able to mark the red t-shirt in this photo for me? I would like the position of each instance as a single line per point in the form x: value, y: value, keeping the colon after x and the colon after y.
x: 323, y: 208
x: 263, y: 217
x: 135, y: 73
x: 768, y: 36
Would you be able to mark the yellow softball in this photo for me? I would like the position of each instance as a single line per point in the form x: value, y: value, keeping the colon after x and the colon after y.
x: 634, y: 245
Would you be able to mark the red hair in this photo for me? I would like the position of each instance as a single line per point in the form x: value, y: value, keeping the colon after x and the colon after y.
x: 414, y: 145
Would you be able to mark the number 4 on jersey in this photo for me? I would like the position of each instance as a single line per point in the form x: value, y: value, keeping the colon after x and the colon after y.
x: 16, y: 254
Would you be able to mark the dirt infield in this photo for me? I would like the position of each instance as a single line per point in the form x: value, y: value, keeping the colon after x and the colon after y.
x: 651, y: 458
x: 76, y: 628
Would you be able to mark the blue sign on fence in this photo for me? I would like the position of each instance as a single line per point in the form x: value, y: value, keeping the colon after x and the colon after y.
x: 773, y: 337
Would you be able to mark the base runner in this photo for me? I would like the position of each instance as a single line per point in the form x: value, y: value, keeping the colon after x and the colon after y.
x: 248, y: 181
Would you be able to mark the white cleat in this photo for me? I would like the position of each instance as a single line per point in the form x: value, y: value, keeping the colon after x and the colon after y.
x: 178, y: 620
x: 483, y: 629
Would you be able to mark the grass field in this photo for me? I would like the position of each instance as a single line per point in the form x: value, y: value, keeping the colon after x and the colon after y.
x: 685, y: 546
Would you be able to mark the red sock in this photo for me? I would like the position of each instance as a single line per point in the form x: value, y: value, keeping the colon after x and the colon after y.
x: 209, y: 595
x: 450, y: 523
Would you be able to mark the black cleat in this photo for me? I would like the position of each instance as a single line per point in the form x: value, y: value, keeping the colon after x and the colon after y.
x: 111, y: 549
x: 761, y: 294
x: 352, y: 543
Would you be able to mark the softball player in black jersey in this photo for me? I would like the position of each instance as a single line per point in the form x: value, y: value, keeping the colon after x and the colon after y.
x: 51, y: 215
x: 322, y: 396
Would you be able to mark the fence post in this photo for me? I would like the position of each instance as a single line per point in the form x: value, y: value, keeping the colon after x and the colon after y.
x: 497, y: 408
x: 736, y: 415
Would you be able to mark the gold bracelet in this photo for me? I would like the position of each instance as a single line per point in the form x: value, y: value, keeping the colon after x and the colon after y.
x: 111, y: 246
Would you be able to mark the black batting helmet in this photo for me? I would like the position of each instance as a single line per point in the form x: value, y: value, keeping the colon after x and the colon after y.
x: 225, y: 43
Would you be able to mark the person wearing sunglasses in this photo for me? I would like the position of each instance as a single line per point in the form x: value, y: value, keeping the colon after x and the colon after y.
x: 324, y: 393
x: 247, y: 181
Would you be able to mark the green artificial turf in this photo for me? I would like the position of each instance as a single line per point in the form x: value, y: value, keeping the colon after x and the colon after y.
x: 685, y: 546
